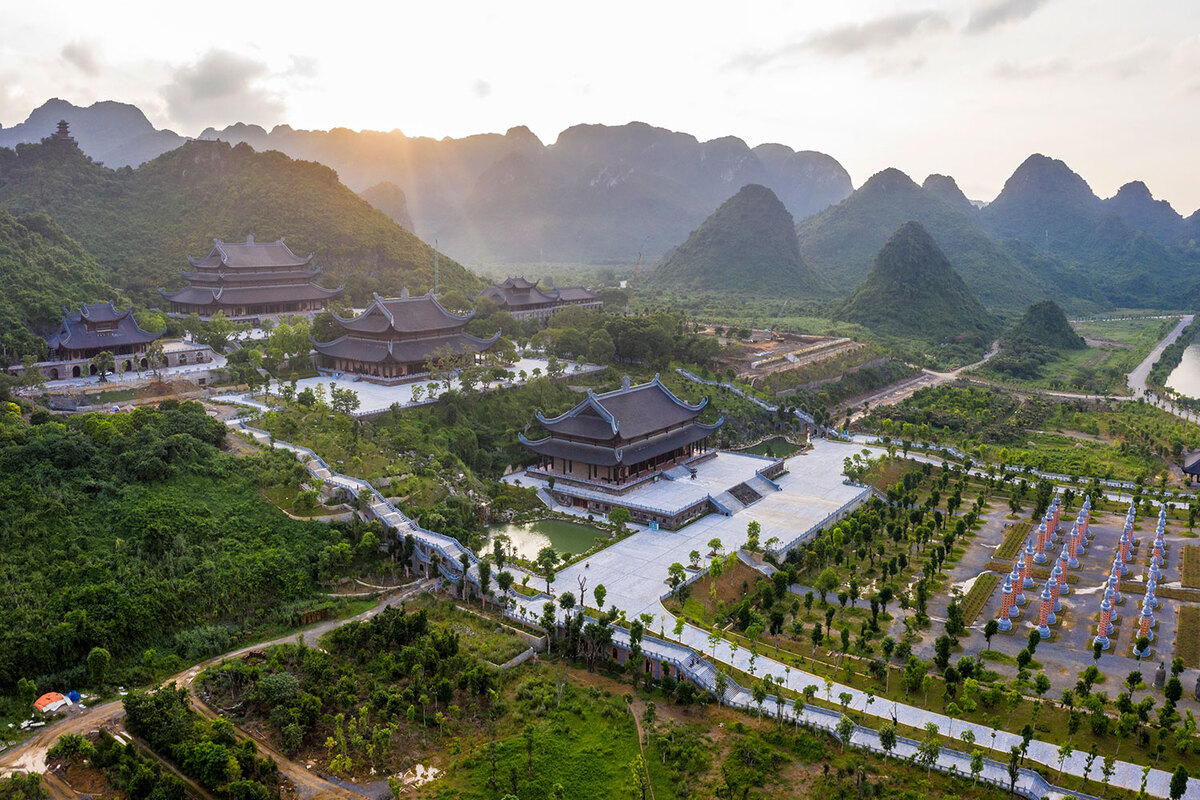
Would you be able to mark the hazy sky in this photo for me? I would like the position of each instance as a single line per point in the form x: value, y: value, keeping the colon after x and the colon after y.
x: 966, y: 88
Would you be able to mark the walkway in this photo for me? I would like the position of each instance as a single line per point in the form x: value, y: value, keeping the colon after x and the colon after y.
x: 690, y: 654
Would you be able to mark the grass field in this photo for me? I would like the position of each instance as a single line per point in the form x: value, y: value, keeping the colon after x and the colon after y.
x: 1012, y: 541
x: 1189, y: 568
x: 981, y: 590
x: 1187, y: 637
x: 478, y: 636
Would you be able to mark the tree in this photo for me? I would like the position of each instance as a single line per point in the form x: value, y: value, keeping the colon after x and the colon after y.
x: 547, y: 559
x: 720, y: 684
x: 104, y: 363
x: 1064, y: 752
x: 753, y: 531
x: 98, y: 662
x: 620, y: 517
x: 1179, y: 782
x: 599, y: 593
x: 505, y: 581
x: 1014, y: 768
x: 566, y: 602
x: 887, y: 738
x: 845, y: 729
x: 990, y: 629
x: 637, y: 770
x: 826, y: 582
x: 676, y: 575
x: 930, y: 748
x: 976, y: 765
x: 485, y: 580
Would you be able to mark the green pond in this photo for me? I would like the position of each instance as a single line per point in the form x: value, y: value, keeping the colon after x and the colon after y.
x: 528, y: 538
x: 778, y: 446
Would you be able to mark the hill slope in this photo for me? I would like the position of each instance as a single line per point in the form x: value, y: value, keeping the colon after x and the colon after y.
x: 747, y: 246
x: 598, y: 193
x: 913, y: 292
x: 42, y: 270
x: 117, y: 134
x: 1044, y: 325
x: 1047, y: 205
x: 842, y: 241
x: 141, y: 224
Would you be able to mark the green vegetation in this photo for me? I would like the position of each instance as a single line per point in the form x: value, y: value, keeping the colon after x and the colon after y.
x: 1189, y: 569
x: 41, y: 271
x: 1035, y: 340
x: 141, y: 224
x: 841, y: 242
x: 1014, y: 540
x: 1187, y: 635
x: 747, y: 246
x: 912, y: 291
x: 1125, y: 440
x: 131, y: 532
x: 207, y: 750
x: 123, y: 766
x: 978, y: 596
x: 1117, y: 347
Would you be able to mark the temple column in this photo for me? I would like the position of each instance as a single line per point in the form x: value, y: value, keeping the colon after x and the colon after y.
x: 1105, y: 626
x: 1045, y: 613
x: 1006, y: 605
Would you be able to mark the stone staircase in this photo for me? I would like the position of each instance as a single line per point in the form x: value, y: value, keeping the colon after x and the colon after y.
x: 729, y: 502
x: 746, y: 495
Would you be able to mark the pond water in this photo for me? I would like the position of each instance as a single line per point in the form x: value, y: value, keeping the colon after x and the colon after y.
x: 528, y: 538
x: 778, y: 446
x: 1185, y: 378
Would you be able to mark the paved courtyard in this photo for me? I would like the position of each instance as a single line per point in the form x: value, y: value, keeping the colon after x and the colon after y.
x: 634, y: 570
x: 1069, y: 650
x: 374, y: 398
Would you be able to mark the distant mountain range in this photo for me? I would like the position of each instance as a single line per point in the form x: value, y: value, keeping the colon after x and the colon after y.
x: 115, y: 134
x: 605, y: 194
x: 141, y: 224
x: 597, y: 194
x: 747, y: 246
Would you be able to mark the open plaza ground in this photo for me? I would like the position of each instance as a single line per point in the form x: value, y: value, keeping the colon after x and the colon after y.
x: 375, y: 398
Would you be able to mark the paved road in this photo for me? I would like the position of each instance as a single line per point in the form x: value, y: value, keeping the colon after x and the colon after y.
x: 895, y: 393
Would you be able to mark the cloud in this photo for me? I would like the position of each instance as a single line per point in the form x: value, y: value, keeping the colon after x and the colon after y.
x: 482, y: 89
x: 1001, y: 12
x: 222, y: 87
x: 83, y: 56
x: 1031, y: 70
x: 303, y: 67
x: 879, y: 34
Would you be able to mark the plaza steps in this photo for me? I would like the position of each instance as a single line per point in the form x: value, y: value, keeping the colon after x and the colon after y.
x: 746, y: 495
x: 545, y: 497
x: 727, y: 503
x: 679, y: 473
x: 763, y: 486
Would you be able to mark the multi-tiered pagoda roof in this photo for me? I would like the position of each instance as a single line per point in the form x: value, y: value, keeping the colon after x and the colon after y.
x: 250, y: 279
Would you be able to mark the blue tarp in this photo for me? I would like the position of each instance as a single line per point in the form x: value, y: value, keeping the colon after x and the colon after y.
x: 73, y: 696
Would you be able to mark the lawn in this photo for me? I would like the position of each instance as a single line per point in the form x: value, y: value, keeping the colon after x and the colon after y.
x: 977, y: 597
x: 477, y: 635
x: 1187, y: 636
x: 1013, y: 540
x: 1190, y: 566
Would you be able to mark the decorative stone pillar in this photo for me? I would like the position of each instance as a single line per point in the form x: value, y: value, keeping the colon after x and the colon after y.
x: 1125, y: 551
x: 1006, y: 605
x: 1018, y: 593
x: 1151, y: 598
x: 1028, y: 555
x: 1160, y: 676
x: 1112, y: 613
x: 1046, y: 614
x: 1039, y: 556
x: 1145, y: 623
x: 1064, y: 561
x: 1056, y: 586
x: 1073, y: 542
x: 1114, y: 582
x: 1159, y: 547
x: 1105, y: 627
x: 1024, y: 564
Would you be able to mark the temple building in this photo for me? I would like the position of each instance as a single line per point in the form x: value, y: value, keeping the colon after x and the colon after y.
x: 250, y: 280
x: 524, y: 300
x: 394, y: 339
x: 614, y: 442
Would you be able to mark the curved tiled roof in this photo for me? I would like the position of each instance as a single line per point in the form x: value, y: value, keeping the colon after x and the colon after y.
x: 249, y: 295
x: 250, y: 254
x: 404, y: 315
x: 611, y: 456
x: 377, y: 351
x: 629, y: 412
x: 77, y: 333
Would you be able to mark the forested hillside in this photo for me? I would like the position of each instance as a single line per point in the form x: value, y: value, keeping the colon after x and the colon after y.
x: 131, y: 532
x: 842, y: 241
x: 747, y: 246
x: 41, y: 271
x: 914, y: 292
x: 141, y: 224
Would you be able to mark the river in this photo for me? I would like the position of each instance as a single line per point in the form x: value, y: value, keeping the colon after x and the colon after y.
x: 1185, y: 378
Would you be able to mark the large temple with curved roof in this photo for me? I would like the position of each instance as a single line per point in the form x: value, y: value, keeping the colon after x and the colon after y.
x: 616, y: 441
x: 524, y: 300
x: 248, y: 281
x: 394, y: 339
